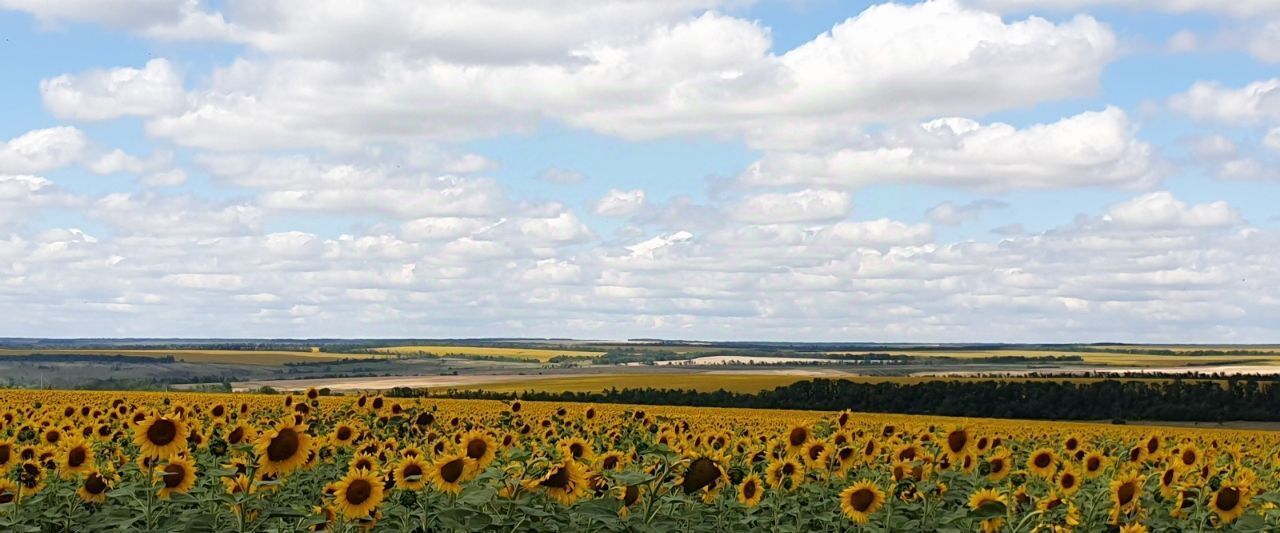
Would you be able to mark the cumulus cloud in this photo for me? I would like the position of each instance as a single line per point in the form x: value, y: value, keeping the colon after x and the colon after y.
x: 1162, y: 210
x: 1092, y: 148
x: 40, y: 150
x: 618, y: 203
x: 104, y: 94
x: 1211, y: 101
x: 1272, y: 139
x: 802, y: 206
x: 561, y: 176
x: 1239, y: 8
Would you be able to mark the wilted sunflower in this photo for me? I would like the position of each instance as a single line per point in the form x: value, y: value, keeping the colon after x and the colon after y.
x: 283, y: 449
x: 358, y: 494
x: 705, y: 472
x: 1230, y: 501
x: 448, y: 472
x: 178, y: 475
x: 564, y: 482
x: 411, y: 473
x: 94, y: 487
x: 750, y: 491
x: 161, y: 436
x: 1043, y: 462
x: 860, y: 500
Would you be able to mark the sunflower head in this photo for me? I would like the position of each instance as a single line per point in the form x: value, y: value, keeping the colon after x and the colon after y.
x: 358, y: 494
x: 176, y: 476
x: 161, y: 436
x: 283, y: 449
x: 860, y: 500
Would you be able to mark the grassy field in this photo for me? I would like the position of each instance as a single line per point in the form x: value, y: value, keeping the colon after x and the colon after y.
x: 540, y: 354
x: 1096, y: 358
x: 237, y: 357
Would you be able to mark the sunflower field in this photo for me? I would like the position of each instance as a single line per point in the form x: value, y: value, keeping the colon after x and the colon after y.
x: 102, y: 461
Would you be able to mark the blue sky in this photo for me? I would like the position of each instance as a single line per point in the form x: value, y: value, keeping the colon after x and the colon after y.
x: 953, y: 171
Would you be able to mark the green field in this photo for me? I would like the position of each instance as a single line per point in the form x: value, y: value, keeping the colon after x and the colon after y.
x: 1095, y: 358
x: 237, y: 357
x: 539, y: 354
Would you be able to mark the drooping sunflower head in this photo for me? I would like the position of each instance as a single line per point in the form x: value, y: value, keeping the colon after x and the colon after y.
x: 860, y: 500
x: 449, y: 472
x: 957, y: 442
x: 94, y: 487
x: 564, y: 482
x: 796, y: 437
x: 704, y: 472
x: 1126, y: 490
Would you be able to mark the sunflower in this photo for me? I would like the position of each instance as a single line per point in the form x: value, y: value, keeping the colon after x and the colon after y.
x: 76, y: 458
x: 363, y: 461
x: 750, y: 491
x: 989, y: 500
x: 1126, y: 491
x: 1230, y: 501
x: 160, y: 436
x: 448, y: 472
x: 1093, y: 463
x: 611, y: 460
x: 628, y: 495
x: 999, y: 465
x: 1168, y: 481
x: 94, y: 487
x: 283, y: 449
x: 860, y: 500
x: 564, y: 482
x: 30, y: 478
x: 8, y: 492
x: 1068, y: 479
x: 358, y: 494
x: 784, y: 474
x: 797, y: 436
x: 240, y: 434
x: 1188, y: 457
x: 816, y: 454
x: 178, y: 476
x: 575, y: 448
x: 344, y: 434
x: 1135, y: 527
x: 7, y: 455
x: 480, y: 448
x: 1043, y: 463
x: 957, y: 442
x: 411, y: 473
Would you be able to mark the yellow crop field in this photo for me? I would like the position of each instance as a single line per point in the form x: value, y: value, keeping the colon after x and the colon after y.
x: 115, y: 461
x: 540, y: 354
x: 240, y: 357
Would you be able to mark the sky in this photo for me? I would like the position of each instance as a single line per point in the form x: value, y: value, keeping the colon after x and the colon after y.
x: 800, y: 170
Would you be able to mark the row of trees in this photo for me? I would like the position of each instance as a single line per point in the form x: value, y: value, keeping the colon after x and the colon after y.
x: 1172, y: 400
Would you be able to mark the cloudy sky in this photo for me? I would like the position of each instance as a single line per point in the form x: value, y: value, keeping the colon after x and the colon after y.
x: 981, y: 170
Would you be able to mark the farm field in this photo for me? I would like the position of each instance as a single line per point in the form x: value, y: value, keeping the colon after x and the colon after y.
x: 242, y: 357
x: 539, y: 354
x: 1094, y: 358
x: 109, y: 461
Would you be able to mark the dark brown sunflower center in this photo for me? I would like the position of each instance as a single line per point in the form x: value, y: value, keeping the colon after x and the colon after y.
x: 1167, y: 479
x: 76, y: 457
x: 477, y: 448
x: 957, y: 440
x: 236, y: 435
x: 749, y: 489
x: 1093, y: 464
x: 1072, y: 444
x: 452, y: 471
x: 1126, y: 492
x: 703, y: 472
x: 862, y: 499
x: 284, y: 446
x: 1227, y: 500
x: 815, y: 452
x: 162, y: 432
x: 907, y: 454
x: 576, y: 449
x: 997, y: 466
x: 798, y: 436
x: 53, y: 437
x: 95, y: 485
x: 1043, y: 460
x: 1068, y: 481
x: 6, y: 453
x: 6, y: 496
x: 174, y: 474
x: 1189, y: 457
x: 344, y: 433
x: 358, y: 492
x: 412, y: 470
x: 1153, y: 445
x: 631, y: 495
x: 30, y: 476
x: 609, y: 462
x: 559, y: 479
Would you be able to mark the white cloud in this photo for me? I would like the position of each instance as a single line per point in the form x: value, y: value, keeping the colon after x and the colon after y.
x: 951, y: 214
x: 40, y: 150
x: 1240, y: 8
x: 1210, y: 101
x: 562, y: 176
x: 1272, y: 139
x: 1162, y: 210
x: 1182, y: 41
x: 105, y: 94
x: 802, y: 206
x: 1092, y: 148
x: 1264, y: 42
x: 118, y: 160
x: 22, y: 196
x: 618, y: 203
